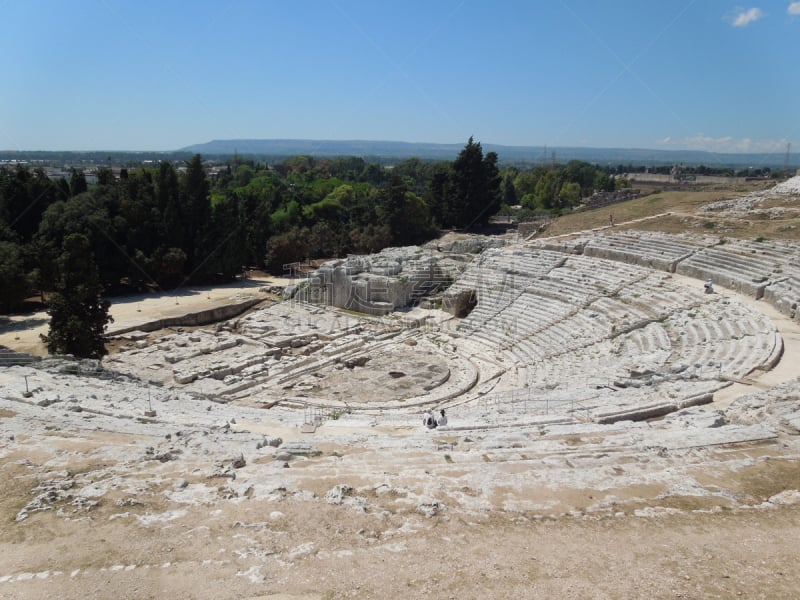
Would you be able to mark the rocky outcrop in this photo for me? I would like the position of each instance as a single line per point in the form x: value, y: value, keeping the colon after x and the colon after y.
x: 383, y: 282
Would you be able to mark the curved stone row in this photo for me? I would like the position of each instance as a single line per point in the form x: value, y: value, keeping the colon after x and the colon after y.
x: 766, y: 269
x: 556, y: 326
x: 577, y: 323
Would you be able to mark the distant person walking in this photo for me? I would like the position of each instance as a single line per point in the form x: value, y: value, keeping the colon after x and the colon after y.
x: 611, y: 220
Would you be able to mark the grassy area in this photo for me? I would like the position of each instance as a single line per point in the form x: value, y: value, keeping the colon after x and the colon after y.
x: 685, y: 216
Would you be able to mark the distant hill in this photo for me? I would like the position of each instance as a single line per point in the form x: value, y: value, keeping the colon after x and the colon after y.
x: 385, y: 150
x: 327, y: 148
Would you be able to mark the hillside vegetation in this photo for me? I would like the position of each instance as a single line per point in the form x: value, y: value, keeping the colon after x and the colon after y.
x: 682, y: 212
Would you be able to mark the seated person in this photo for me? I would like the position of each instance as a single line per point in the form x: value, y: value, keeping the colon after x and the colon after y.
x: 428, y: 420
x: 442, y: 420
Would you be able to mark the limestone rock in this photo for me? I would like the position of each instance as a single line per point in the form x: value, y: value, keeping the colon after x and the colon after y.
x: 429, y: 508
x: 786, y: 498
x: 338, y: 494
x: 272, y: 442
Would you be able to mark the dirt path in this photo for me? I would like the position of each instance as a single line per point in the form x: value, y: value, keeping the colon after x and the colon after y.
x: 617, y: 224
x: 280, y: 550
x: 21, y: 332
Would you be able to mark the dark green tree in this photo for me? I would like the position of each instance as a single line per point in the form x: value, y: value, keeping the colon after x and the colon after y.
x: 475, y: 187
x: 168, y: 266
x: 404, y: 213
x: 78, y: 316
x: 286, y: 217
x: 62, y: 189
x: 169, y: 206
x: 370, y: 238
x: 373, y: 173
x: 144, y: 234
x: 546, y: 190
x: 439, y: 195
x: 570, y: 194
x: 391, y: 205
x: 77, y: 183
x: 105, y: 176
x: 196, y: 207
x: 13, y: 283
x: 509, y: 191
x: 228, y: 242
x: 42, y: 254
x: 24, y: 196
x: 603, y: 183
x: 292, y: 246
x: 89, y: 214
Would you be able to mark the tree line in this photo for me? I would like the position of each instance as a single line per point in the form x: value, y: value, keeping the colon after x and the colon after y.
x: 169, y: 225
x: 172, y: 224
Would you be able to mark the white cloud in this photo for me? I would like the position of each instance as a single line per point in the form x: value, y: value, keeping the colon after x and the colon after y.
x: 794, y: 9
x: 743, y: 18
x: 730, y: 144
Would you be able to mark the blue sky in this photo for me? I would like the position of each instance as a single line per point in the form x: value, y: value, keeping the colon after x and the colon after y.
x: 140, y: 75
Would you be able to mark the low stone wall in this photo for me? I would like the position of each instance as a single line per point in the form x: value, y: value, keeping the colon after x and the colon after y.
x: 190, y: 319
x: 9, y: 357
x: 662, y: 264
x: 785, y: 297
x: 752, y: 288
x: 601, y: 199
x: 698, y: 179
x: 528, y: 228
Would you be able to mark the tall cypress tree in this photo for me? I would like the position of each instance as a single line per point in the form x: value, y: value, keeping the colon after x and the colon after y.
x: 169, y: 205
x: 391, y: 204
x: 78, y: 316
x: 77, y: 183
x: 196, y: 208
x: 475, y: 186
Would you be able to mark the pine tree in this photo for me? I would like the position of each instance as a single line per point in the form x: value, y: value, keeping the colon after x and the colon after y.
x: 78, y: 316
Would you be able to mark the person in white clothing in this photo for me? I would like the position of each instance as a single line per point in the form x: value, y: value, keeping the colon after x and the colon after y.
x: 428, y: 420
x: 442, y: 419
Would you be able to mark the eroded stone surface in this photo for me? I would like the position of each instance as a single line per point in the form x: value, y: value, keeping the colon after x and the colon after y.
x: 557, y: 343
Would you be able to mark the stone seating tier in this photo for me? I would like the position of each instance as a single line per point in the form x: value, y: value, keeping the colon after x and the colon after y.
x: 646, y: 340
x: 618, y: 313
x: 755, y: 265
x: 784, y: 295
x: 625, y: 318
x: 619, y: 336
x: 780, y: 252
x: 729, y: 270
x: 767, y: 268
x: 643, y: 251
